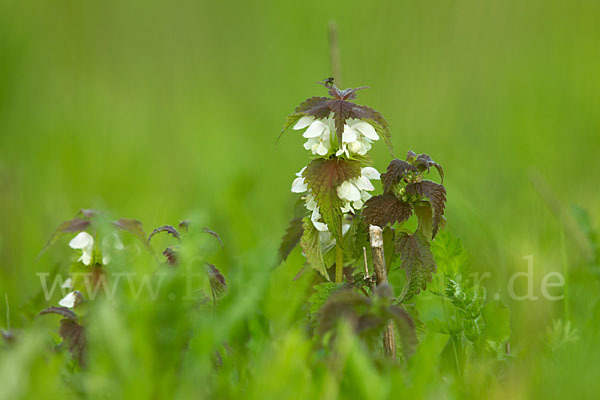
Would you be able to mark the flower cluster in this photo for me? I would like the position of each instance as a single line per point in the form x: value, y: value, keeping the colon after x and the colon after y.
x: 353, y: 192
x: 356, y: 138
x: 85, y: 242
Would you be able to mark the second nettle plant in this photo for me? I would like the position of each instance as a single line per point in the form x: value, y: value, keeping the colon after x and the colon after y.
x: 337, y: 212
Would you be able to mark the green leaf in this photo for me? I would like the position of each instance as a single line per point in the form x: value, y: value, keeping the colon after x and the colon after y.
x: 453, y: 355
x: 436, y: 194
x: 311, y: 245
x: 323, y: 177
x: 418, y: 262
x: 386, y: 209
x: 497, y: 321
x: 320, y: 296
x: 293, y: 233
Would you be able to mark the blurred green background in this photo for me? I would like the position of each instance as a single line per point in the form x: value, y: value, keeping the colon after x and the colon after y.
x: 158, y: 110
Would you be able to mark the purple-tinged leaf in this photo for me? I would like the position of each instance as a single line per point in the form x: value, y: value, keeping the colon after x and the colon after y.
x: 386, y: 209
x: 171, y: 256
x: 436, y: 194
x: 185, y: 225
x: 396, y: 171
x: 73, y: 335
x: 218, y: 285
x: 214, y: 234
x: 71, y: 226
x: 132, y: 226
x: 324, y: 177
x: 165, y: 228
x: 424, y: 162
x: 62, y: 311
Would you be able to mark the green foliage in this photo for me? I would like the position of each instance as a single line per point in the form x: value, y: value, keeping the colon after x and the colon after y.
x: 417, y: 261
x: 311, y: 246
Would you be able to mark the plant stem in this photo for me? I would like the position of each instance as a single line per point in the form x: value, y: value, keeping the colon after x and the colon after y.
x: 339, y: 264
x: 376, y: 236
x: 334, y: 53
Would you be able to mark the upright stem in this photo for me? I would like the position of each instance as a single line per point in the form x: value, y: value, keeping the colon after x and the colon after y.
x: 334, y: 54
x: 339, y: 264
x: 376, y: 235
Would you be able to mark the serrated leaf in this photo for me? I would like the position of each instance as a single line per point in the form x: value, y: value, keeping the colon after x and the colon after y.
x: 417, y: 261
x: 375, y: 118
x: 424, y: 162
x: 214, y: 234
x: 355, y: 239
x: 71, y: 226
x: 62, y: 311
x: 132, y: 226
x: 436, y: 194
x: 311, y: 246
x: 320, y: 296
x: 73, y: 335
x: 293, y: 233
x: 323, y: 177
x: 386, y: 209
x: 497, y: 321
x: 316, y: 106
x: 165, y: 228
x: 217, y: 281
x: 396, y: 170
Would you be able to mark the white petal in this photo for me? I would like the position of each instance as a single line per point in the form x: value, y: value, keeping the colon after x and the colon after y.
x: 364, y: 195
x: 68, y: 301
x: 299, y: 186
x: 315, y: 129
x: 86, y: 258
x: 304, y: 122
x: 106, y: 259
x: 345, y: 228
x: 366, y: 129
x: 311, y: 203
x: 81, y: 241
x: 347, y: 191
x: 321, y: 227
x: 68, y: 284
x: 349, y: 135
x: 357, y: 204
x: 301, y: 171
x: 347, y: 208
x: 370, y: 173
x: 355, y: 146
x: 322, y: 150
x: 363, y: 183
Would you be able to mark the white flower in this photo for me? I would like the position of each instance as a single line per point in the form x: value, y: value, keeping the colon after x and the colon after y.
x: 299, y: 186
x: 357, y: 138
x: 68, y: 284
x: 84, y: 242
x: 354, y: 192
x: 318, y: 133
x: 107, y: 243
x: 70, y: 300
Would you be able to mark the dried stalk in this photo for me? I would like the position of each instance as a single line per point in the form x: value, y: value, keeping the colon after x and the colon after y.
x: 376, y: 235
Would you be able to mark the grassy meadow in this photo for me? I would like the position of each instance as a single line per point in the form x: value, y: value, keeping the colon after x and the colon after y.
x: 164, y: 111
